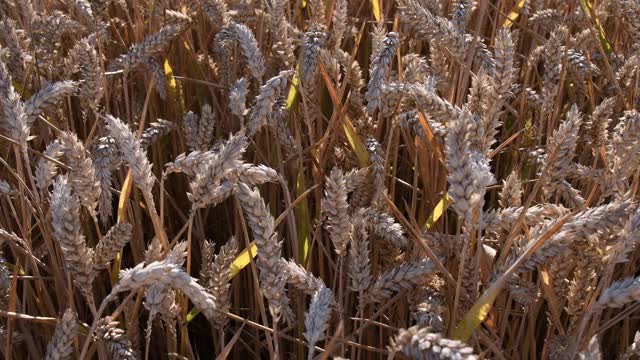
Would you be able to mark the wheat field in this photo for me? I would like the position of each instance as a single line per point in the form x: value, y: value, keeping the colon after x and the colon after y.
x: 319, y: 179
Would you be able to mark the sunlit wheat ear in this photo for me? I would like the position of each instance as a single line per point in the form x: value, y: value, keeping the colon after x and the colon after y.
x: 15, y: 120
x: 339, y: 23
x: 316, y: 320
x: 622, y: 150
x: 132, y: 153
x: 378, y: 33
x: 215, y: 274
x: 380, y: 67
x: 497, y: 91
x: 620, y: 293
x: 199, y: 128
x: 598, y: 221
x: 190, y: 121
x: 627, y: 70
x: 67, y: 230
x: 272, y: 279
x: 50, y: 28
x: 159, y: 298
x: 84, y: 58
x: 392, y: 97
x: 511, y: 193
x: 111, y: 244
x: 48, y: 98
x: 439, y: 30
x: 429, y: 304
x: 335, y: 207
x: 83, y: 176
x: 301, y: 278
x: 420, y: 343
x: 114, y: 339
x: 411, y: 123
x: 204, y: 189
x: 314, y: 40
x: 469, y: 170
x: 155, y: 131
x: 503, y: 220
x: 255, y: 174
x: 355, y: 178
x: 263, y: 103
x: 546, y: 18
x: 105, y: 162
x: 592, y: 351
x: 403, y: 276
x: 431, y: 104
x: 414, y: 68
x: 597, y: 124
x: 151, y: 45
x: 478, y: 92
x: 552, y: 53
x: 247, y: 41
x: 565, y: 139
x: 359, y: 264
x: 331, y: 65
x: 191, y: 164
x: 61, y: 344
x: 283, y: 47
x: 168, y: 273
x: 384, y: 225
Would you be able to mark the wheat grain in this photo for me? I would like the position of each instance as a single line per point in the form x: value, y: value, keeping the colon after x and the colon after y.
x: 61, y: 345
x: 133, y: 153
x: 335, y: 207
x: 15, y: 119
x: 380, y: 67
x: 65, y: 219
x: 155, y: 131
x: 265, y: 100
x: 84, y: 182
x: 301, y: 278
x: 402, y: 277
x: 359, y: 269
x: 420, y: 343
x: 48, y: 98
x: 118, y: 346
x: 261, y: 223
x: 316, y: 320
x: 111, y: 244
x: 104, y: 163
x: 216, y: 271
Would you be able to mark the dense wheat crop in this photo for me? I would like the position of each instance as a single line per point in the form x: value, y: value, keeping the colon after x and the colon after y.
x: 290, y: 179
